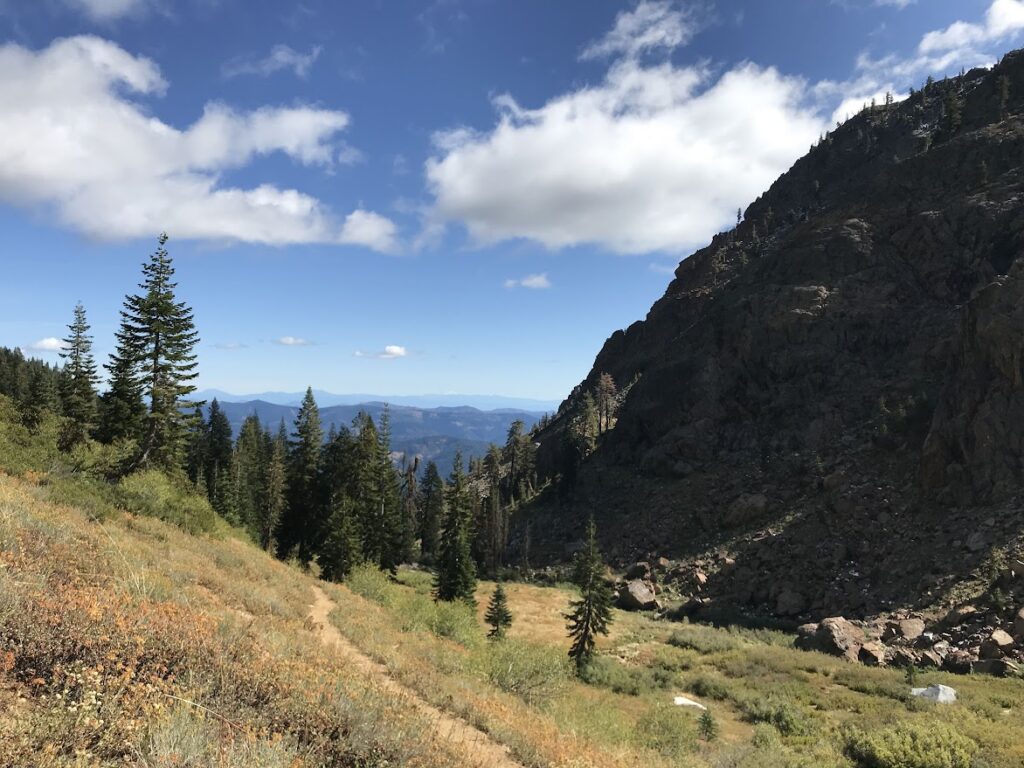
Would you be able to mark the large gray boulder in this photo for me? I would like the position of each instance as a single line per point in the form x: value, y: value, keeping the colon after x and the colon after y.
x: 638, y: 595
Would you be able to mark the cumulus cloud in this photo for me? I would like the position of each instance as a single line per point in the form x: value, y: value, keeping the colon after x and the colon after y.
x: 109, y: 10
x: 652, y: 158
x: 74, y: 141
x: 530, y: 281
x: 292, y: 341
x: 652, y: 25
x: 281, y: 57
x: 961, y: 44
x: 1003, y: 18
x: 230, y: 345
x: 370, y: 230
x: 49, y: 344
x: 390, y: 352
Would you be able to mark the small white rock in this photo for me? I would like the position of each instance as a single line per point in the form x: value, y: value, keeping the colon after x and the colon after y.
x: 682, y: 701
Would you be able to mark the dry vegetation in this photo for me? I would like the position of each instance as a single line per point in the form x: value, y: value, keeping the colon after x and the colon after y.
x: 125, y: 640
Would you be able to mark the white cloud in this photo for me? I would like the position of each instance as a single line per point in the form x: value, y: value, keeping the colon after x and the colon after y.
x: 75, y: 142
x: 281, y: 57
x: 230, y: 345
x: 293, y: 341
x: 109, y: 10
x: 963, y: 44
x: 652, y: 25
x: 49, y: 344
x: 530, y: 281
x: 901, y: 4
x: 653, y: 158
x: 370, y: 230
x: 391, y: 352
x: 1003, y: 18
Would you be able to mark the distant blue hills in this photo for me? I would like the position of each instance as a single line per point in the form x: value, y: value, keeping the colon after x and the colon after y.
x: 431, y: 427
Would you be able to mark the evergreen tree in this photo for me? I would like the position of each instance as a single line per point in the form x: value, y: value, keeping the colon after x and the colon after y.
x: 122, y: 410
x: 42, y: 397
x: 274, y: 500
x: 219, y: 449
x: 431, y: 511
x: 78, y: 391
x: 953, y: 112
x: 252, y: 452
x: 366, y: 487
x: 492, y: 529
x: 456, y: 576
x: 196, y: 448
x: 156, y: 347
x: 592, y: 613
x: 390, y: 531
x: 606, y: 402
x: 1003, y: 95
x: 341, y: 549
x: 300, y: 526
x: 498, y: 614
x: 707, y: 727
x: 410, y: 504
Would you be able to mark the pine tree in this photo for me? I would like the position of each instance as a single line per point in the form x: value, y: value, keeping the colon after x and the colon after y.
x: 953, y: 112
x: 196, y: 445
x: 219, y: 449
x: 276, y: 487
x: 456, y: 576
x: 431, y: 511
x: 707, y: 726
x: 498, y: 614
x: 78, y: 391
x: 606, y: 402
x: 122, y: 410
x: 366, y: 487
x: 592, y: 613
x: 390, y: 531
x: 156, y: 346
x: 42, y: 397
x: 301, y: 526
x: 1003, y: 91
x: 341, y: 550
x: 410, y: 504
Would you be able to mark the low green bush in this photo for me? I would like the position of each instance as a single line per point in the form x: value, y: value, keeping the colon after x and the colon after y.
x: 668, y: 730
x: 911, y: 745
x: 534, y: 673
x: 606, y: 672
x: 787, y: 717
x: 154, y: 494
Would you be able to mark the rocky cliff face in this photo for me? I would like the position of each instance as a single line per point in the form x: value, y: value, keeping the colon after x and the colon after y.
x: 827, y: 405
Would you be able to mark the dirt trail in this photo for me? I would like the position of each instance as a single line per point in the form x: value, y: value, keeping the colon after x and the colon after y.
x: 479, y: 748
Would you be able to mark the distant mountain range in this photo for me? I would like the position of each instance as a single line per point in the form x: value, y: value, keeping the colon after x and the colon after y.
x: 325, y: 399
x: 431, y: 433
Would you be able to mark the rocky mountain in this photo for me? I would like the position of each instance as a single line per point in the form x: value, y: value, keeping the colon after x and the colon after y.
x: 432, y: 434
x: 826, y: 406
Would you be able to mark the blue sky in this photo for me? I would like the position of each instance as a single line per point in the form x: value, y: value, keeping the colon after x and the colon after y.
x: 408, y: 197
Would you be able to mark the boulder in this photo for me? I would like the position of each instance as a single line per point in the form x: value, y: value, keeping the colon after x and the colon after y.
x: 906, y: 629
x: 977, y: 541
x: 638, y: 595
x: 958, y: 661
x: 641, y: 570
x: 904, y: 657
x: 940, y: 694
x: 1018, y: 624
x: 996, y: 645
x: 995, y: 667
x: 662, y: 564
x: 835, y: 636
x: 872, y: 654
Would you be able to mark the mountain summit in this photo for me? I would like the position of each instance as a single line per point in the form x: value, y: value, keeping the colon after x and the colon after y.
x: 823, y: 410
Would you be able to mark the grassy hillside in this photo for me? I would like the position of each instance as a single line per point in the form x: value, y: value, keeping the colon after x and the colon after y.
x: 131, y: 642
x: 137, y: 628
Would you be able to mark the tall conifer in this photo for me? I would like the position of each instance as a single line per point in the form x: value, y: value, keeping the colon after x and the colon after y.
x: 456, y: 575
x: 78, y: 391
x: 592, y: 613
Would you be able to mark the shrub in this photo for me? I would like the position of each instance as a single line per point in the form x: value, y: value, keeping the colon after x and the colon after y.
x: 456, y: 621
x: 667, y: 730
x: 911, y: 745
x: 154, y: 494
x: 536, y: 674
x: 785, y: 716
x: 608, y: 673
